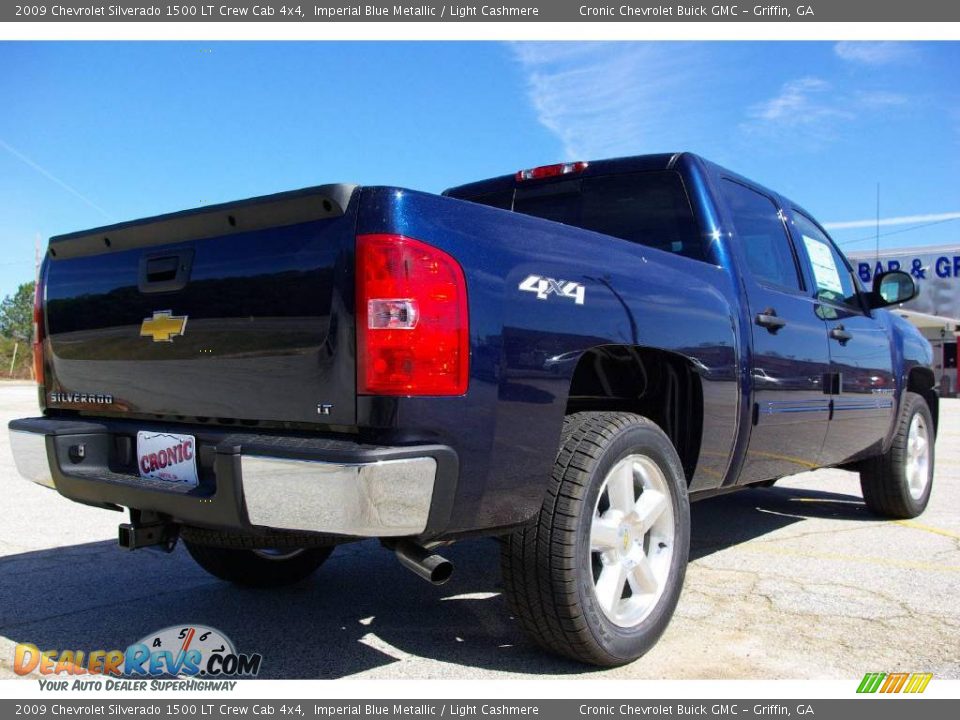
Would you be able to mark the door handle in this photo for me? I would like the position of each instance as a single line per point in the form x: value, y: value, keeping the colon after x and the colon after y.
x: 769, y: 320
x: 840, y: 334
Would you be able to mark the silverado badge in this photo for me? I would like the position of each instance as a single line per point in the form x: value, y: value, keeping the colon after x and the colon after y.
x: 163, y: 326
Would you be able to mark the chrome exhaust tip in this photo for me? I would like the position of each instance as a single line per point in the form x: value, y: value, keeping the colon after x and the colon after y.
x: 433, y: 568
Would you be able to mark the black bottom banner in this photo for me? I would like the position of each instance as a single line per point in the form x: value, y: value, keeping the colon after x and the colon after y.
x: 874, y: 708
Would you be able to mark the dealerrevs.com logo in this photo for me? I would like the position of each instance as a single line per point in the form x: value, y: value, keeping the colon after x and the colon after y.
x: 181, y: 651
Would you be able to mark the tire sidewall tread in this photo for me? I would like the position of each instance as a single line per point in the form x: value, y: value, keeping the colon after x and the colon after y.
x: 247, y: 567
x: 886, y: 490
x: 546, y: 565
x: 622, y: 643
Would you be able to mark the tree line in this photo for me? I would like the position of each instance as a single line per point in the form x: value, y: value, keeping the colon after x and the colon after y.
x: 16, y: 333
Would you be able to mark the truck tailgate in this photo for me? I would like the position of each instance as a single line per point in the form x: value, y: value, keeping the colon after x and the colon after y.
x: 235, y: 313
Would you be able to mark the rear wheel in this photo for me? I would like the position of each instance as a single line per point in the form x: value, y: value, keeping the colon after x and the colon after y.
x: 597, y: 577
x: 897, y: 484
x: 258, y: 567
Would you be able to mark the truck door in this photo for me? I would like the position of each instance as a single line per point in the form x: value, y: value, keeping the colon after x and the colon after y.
x: 861, y: 360
x: 790, y: 358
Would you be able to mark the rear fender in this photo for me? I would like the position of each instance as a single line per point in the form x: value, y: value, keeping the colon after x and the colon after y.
x: 541, y: 294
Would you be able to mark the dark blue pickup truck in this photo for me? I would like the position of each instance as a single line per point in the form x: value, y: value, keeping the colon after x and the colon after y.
x: 563, y: 357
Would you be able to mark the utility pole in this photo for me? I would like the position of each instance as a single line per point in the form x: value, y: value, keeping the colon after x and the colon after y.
x: 36, y: 286
x: 878, y: 223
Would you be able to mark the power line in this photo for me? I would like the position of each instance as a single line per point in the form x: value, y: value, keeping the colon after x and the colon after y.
x: 897, y: 232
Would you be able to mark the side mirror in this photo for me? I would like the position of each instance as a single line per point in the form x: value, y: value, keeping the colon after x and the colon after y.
x: 892, y: 288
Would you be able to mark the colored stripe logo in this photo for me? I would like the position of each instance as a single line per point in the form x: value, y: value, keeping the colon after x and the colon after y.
x: 894, y: 682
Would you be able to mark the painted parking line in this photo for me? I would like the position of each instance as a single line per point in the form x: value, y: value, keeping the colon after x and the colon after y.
x: 858, y: 559
x: 928, y: 528
x: 903, y: 523
x: 785, y: 458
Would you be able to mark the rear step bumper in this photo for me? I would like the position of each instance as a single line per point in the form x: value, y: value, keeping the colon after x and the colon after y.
x: 248, y: 480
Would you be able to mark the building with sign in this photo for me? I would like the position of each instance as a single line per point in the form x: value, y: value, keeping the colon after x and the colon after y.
x: 936, y: 310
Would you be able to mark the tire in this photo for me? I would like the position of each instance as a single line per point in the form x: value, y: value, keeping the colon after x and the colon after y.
x: 561, y: 572
x: 251, y: 540
x: 258, y: 567
x: 897, y: 484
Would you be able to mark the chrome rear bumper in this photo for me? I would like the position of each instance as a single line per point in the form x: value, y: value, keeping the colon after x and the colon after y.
x: 300, y: 484
x: 381, y: 499
x: 30, y: 457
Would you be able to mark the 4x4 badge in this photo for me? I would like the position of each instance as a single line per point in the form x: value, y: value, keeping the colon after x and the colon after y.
x: 163, y: 326
x: 544, y: 287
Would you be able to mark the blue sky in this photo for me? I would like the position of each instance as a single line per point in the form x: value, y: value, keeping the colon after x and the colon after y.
x: 94, y: 132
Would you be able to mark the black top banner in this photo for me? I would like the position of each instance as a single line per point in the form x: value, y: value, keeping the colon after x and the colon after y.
x: 328, y: 11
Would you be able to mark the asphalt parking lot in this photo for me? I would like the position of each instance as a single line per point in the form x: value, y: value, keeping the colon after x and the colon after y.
x: 796, y: 581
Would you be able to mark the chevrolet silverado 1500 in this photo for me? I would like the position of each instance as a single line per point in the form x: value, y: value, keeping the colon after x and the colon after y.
x: 563, y: 357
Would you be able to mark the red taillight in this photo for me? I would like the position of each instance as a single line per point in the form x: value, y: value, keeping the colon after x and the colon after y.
x: 548, y: 171
x: 412, y: 319
x: 39, y: 331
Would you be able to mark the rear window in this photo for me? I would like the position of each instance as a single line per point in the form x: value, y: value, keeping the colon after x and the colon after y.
x: 648, y: 208
x: 502, y: 199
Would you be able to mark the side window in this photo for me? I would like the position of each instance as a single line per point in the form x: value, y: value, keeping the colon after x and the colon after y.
x: 762, y: 235
x: 831, y: 272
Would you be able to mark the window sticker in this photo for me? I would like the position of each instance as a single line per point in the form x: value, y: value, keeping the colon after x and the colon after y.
x: 824, y: 268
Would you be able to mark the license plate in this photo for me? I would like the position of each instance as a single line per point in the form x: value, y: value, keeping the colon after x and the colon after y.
x: 167, y: 457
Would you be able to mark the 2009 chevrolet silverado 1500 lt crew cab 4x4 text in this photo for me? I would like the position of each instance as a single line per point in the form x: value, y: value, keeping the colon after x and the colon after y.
x: 269, y: 378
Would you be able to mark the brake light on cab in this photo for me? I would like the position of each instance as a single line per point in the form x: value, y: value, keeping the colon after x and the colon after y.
x: 412, y: 319
x: 549, y: 171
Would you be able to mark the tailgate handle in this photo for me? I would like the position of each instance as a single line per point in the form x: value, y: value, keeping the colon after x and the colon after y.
x: 160, y: 269
x: 165, y: 272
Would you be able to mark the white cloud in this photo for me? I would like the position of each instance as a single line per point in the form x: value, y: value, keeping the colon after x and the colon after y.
x: 812, y: 112
x: 901, y: 220
x: 876, y: 99
x: 873, y: 53
x: 607, y: 99
x: 799, y: 102
x: 806, y: 109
